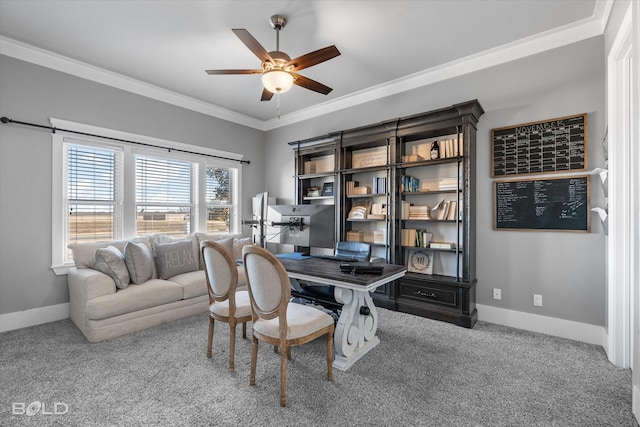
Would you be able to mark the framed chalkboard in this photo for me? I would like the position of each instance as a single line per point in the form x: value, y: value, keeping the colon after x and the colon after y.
x: 555, y: 204
x: 550, y: 146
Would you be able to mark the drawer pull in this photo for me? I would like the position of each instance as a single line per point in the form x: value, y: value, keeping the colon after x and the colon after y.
x: 424, y: 294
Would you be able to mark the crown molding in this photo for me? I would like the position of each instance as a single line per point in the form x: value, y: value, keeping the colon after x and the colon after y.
x: 54, y: 61
x: 561, y: 36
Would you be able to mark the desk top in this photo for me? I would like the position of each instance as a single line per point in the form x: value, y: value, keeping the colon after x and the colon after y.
x: 328, y: 272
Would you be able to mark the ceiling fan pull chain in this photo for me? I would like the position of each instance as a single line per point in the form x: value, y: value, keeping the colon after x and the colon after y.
x: 278, y: 104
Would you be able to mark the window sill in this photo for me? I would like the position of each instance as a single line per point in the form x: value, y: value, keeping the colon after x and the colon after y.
x: 61, y: 270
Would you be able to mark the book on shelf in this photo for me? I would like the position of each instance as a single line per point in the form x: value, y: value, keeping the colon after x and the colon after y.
x: 416, y: 237
x: 380, y: 237
x: 410, y: 184
x: 379, y: 185
x: 453, y: 210
x: 405, y: 210
x: 442, y: 245
x: 349, y: 186
x: 355, y: 236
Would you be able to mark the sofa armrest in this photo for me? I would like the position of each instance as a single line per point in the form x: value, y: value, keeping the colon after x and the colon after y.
x: 87, y: 283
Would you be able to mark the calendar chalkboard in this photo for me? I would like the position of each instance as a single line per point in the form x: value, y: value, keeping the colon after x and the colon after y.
x: 543, y: 204
x: 556, y: 145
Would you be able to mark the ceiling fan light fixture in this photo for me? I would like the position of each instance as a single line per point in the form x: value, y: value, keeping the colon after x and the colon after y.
x: 277, y: 81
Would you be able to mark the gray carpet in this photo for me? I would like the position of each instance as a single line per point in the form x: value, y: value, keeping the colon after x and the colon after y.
x: 424, y: 373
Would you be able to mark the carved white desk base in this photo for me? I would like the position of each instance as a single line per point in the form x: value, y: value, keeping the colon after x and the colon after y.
x: 355, y: 333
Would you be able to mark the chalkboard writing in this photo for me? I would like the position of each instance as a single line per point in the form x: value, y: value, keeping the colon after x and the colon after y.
x: 541, y: 147
x: 542, y: 204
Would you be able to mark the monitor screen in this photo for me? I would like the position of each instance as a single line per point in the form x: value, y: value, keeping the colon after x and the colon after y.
x: 302, y: 225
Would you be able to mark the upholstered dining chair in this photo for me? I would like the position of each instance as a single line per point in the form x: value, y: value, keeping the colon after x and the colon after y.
x: 277, y: 321
x: 225, y: 303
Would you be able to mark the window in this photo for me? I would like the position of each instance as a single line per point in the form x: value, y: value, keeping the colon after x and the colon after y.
x: 111, y: 191
x: 219, y: 183
x: 163, y: 196
x: 92, y: 191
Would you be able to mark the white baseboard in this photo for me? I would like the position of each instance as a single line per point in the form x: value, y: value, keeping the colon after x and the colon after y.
x: 584, y: 332
x: 635, y: 405
x: 34, y: 316
x: 562, y: 328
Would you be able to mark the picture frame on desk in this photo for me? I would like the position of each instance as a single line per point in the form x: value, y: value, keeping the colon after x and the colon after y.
x: 327, y: 189
x: 420, y: 261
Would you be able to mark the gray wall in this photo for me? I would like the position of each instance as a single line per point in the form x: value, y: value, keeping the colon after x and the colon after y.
x: 32, y: 93
x: 568, y: 269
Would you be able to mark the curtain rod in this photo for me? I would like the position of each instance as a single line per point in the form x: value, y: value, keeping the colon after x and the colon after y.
x: 53, y: 129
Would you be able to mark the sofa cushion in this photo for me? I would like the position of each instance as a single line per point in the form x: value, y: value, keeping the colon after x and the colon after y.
x: 139, y: 261
x: 110, y: 261
x: 151, y: 293
x: 175, y: 258
x: 84, y: 254
x: 193, y: 283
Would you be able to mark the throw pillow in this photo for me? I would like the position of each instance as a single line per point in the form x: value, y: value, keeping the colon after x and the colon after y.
x: 110, y: 261
x: 139, y: 261
x: 238, y: 244
x: 175, y: 258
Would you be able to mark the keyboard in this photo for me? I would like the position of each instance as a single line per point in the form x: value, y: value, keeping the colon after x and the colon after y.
x: 342, y: 258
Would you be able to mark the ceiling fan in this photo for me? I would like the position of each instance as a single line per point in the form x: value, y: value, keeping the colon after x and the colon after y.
x: 279, y: 71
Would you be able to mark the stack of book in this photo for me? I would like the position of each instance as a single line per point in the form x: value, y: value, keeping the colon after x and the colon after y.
x: 442, y: 245
x: 447, y: 184
x: 378, y: 211
x: 419, y: 212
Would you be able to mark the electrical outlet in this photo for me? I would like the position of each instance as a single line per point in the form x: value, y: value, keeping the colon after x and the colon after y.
x: 497, y: 293
x: 537, y: 300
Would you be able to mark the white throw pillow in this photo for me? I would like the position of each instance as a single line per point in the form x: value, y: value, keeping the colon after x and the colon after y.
x: 110, y: 261
x: 139, y: 261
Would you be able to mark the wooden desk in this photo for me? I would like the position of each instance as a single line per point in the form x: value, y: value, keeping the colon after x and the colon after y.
x: 355, y: 332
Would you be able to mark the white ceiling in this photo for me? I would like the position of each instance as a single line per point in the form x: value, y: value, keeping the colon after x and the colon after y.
x: 161, y: 48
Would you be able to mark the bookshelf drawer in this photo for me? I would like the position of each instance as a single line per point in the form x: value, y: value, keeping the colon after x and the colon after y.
x: 431, y: 293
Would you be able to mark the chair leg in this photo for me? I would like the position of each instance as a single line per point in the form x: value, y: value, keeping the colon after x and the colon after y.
x: 210, y: 337
x: 283, y: 375
x: 330, y: 356
x: 232, y: 345
x: 244, y: 330
x: 254, y: 359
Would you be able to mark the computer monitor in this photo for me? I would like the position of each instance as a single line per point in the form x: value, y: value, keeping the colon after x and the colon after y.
x: 302, y: 225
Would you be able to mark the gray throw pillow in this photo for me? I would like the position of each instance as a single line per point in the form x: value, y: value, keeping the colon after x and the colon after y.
x: 175, y: 258
x: 110, y: 261
x: 139, y: 261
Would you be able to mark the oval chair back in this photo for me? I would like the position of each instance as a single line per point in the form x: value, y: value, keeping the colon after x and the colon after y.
x: 277, y: 321
x: 226, y: 304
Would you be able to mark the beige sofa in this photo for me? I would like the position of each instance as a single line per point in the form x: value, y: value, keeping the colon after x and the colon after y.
x: 103, y: 306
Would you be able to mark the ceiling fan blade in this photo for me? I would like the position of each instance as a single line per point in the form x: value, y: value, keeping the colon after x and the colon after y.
x: 234, y: 71
x: 313, y: 58
x: 313, y: 85
x: 253, y: 44
x: 266, y: 95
